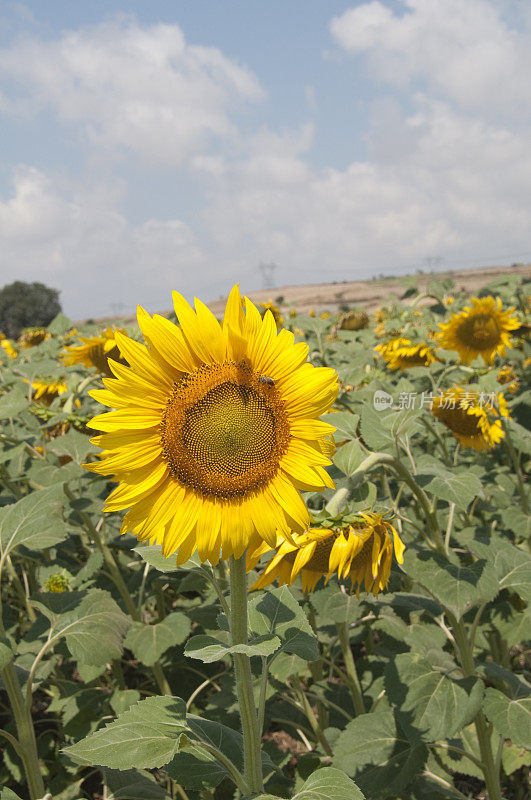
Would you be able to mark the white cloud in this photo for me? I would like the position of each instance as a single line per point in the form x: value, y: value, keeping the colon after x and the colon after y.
x: 464, y: 52
x: 75, y: 239
x: 140, y: 88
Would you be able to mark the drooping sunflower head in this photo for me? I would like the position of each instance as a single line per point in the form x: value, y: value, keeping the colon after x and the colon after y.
x: 7, y: 347
x: 361, y: 551
x: 353, y: 321
x: 402, y: 353
x: 275, y: 310
x: 508, y: 378
x: 31, y: 337
x: 474, y: 419
x: 95, y: 352
x: 215, y: 430
x: 46, y: 391
x: 482, y: 329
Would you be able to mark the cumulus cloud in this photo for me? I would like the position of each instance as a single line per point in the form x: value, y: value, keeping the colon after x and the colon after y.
x: 465, y: 52
x: 75, y: 239
x: 142, y: 88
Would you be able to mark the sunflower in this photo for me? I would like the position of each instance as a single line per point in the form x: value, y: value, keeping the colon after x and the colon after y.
x: 507, y: 377
x: 95, y: 352
x: 215, y: 431
x: 353, y: 321
x: 402, y: 353
x: 482, y: 329
x: 6, y: 345
x: 361, y: 551
x: 270, y: 306
x: 472, y: 418
x: 47, y: 392
x: 31, y: 337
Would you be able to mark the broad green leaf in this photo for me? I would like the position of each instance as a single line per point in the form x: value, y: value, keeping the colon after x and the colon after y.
x: 328, y: 783
x: 277, y: 612
x: 345, y: 423
x: 338, y: 605
x: 13, y: 402
x: 149, y: 642
x: 380, y: 758
x: 9, y: 794
x: 6, y: 652
x: 430, y: 705
x: 514, y: 757
x: 94, y: 630
x: 209, y: 649
x: 122, y: 699
x: 132, y: 784
x: 74, y: 444
x: 513, y: 567
x: 349, y: 457
x: 59, y: 325
x: 26, y: 523
x: 145, y: 736
x: 456, y: 587
x: 459, y: 487
x: 511, y: 718
x: 380, y: 430
x: 153, y: 555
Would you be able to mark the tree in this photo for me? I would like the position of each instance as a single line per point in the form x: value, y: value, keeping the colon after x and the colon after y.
x: 24, y: 305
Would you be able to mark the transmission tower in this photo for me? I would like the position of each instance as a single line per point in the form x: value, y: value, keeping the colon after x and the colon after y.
x: 267, y: 274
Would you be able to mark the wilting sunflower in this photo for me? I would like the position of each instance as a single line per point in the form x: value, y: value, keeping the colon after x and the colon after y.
x: 508, y: 378
x: 31, y: 337
x: 402, y: 353
x: 472, y: 418
x: 482, y: 329
x: 6, y: 345
x: 215, y: 431
x: 95, y: 352
x: 361, y: 551
x: 46, y: 392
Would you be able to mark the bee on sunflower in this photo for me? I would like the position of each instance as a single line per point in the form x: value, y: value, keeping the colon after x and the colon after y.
x: 402, y: 353
x: 361, y: 551
x: 208, y: 454
x: 473, y: 421
x: 95, y: 352
x: 482, y: 329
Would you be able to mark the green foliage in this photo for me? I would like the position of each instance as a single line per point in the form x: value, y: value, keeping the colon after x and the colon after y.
x: 24, y: 305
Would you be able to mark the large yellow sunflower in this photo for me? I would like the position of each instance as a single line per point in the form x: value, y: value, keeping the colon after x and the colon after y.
x: 403, y: 353
x: 482, y: 329
x: 215, y: 431
x: 472, y: 418
x: 361, y: 551
x: 95, y: 352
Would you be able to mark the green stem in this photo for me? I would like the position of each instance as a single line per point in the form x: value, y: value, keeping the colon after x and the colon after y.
x: 312, y: 719
x: 353, y: 681
x: 252, y: 757
x: 25, y: 733
x: 466, y: 657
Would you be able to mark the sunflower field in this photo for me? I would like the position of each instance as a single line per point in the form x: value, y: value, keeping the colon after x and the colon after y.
x: 271, y: 556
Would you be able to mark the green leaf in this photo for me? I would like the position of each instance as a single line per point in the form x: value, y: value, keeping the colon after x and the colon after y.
x: 514, y: 757
x: 379, y: 757
x: 511, y: 718
x: 132, y: 784
x: 345, y: 423
x: 6, y: 653
x: 9, y: 794
x: 513, y: 567
x: 122, y: 699
x: 454, y: 487
x: 145, y: 736
x: 332, y: 604
x: 328, y: 783
x: 74, y: 444
x: 12, y: 403
x: 153, y: 556
x: 149, y: 642
x: 349, y: 457
x: 431, y: 706
x: 36, y: 521
x: 277, y: 612
x: 456, y: 587
x: 59, y: 325
x: 209, y: 649
x: 94, y: 630
x: 195, y: 768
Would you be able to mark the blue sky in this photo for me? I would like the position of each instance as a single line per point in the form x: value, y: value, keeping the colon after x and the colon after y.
x: 167, y: 145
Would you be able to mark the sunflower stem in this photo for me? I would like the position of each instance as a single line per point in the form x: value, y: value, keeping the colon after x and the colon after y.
x: 353, y: 680
x: 252, y: 757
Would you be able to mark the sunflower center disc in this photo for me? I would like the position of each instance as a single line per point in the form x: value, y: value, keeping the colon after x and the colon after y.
x: 480, y: 332
x: 459, y: 421
x: 224, y: 432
